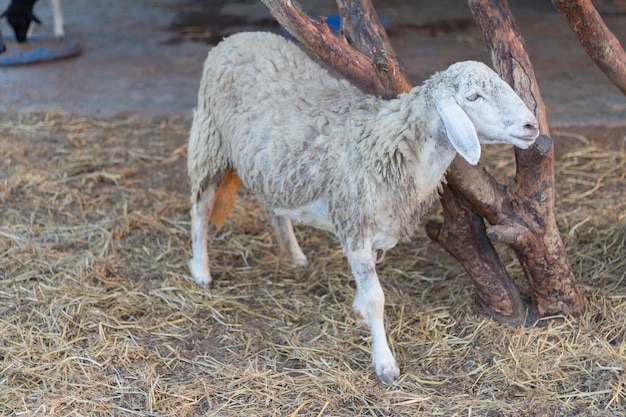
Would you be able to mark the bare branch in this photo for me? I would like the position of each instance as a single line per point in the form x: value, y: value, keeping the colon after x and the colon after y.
x: 364, y: 31
x: 463, y: 235
x: 334, y: 50
x: 478, y: 188
x: 599, y: 42
x: 526, y: 220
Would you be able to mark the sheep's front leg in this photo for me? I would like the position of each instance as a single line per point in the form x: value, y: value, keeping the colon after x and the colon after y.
x: 200, y: 212
x: 287, y: 239
x: 369, y: 304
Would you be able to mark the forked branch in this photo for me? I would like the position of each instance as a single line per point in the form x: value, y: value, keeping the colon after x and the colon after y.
x: 319, y: 39
x: 362, y: 28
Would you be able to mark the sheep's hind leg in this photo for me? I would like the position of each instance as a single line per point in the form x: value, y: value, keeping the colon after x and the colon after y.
x: 287, y: 239
x: 200, y: 212
x: 369, y: 305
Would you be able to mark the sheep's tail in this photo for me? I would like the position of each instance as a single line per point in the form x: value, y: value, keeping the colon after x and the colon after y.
x: 224, y: 198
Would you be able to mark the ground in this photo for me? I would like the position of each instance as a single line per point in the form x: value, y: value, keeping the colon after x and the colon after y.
x: 99, y: 317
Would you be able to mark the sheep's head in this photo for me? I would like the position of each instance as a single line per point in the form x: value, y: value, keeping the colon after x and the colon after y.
x: 476, y: 105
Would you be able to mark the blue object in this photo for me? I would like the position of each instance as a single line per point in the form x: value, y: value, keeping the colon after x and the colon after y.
x: 13, y: 56
x: 334, y: 24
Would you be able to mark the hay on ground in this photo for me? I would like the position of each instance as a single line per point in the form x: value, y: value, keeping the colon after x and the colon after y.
x: 98, y: 316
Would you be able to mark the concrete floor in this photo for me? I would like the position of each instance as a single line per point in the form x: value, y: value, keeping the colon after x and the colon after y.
x: 134, y: 63
x: 126, y: 66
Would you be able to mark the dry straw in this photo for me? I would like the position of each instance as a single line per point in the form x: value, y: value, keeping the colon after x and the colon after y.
x: 98, y: 316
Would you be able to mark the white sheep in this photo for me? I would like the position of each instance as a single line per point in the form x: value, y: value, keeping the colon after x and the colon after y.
x: 318, y: 151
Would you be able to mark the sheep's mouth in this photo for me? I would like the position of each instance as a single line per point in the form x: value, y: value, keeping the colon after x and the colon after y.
x: 527, y: 134
x: 527, y: 138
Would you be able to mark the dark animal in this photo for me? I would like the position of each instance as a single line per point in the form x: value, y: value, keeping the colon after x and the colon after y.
x: 2, y: 45
x: 20, y: 15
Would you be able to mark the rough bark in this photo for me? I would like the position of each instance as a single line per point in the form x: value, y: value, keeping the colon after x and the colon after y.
x: 329, y: 48
x: 463, y: 235
x: 521, y: 213
x: 526, y: 221
x: 362, y: 28
x: 602, y: 46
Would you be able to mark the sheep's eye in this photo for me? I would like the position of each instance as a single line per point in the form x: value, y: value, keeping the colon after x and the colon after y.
x: 473, y: 97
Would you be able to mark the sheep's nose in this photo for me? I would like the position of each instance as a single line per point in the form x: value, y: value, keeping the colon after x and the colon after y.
x: 532, y: 128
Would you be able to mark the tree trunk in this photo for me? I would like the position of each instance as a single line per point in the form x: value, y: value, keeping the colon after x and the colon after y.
x: 464, y: 236
x: 521, y: 213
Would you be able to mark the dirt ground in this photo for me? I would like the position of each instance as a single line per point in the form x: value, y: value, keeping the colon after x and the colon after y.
x: 98, y: 315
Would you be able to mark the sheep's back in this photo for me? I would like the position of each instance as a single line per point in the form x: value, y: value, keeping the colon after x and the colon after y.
x: 271, y: 64
x: 278, y: 111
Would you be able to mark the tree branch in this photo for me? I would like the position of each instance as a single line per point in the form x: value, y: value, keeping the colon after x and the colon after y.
x: 601, y: 45
x: 318, y: 38
x: 527, y: 221
x: 364, y: 31
x: 463, y: 235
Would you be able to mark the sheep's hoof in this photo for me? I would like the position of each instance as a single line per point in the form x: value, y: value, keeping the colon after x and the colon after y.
x: 199, y: 273
x: 302, y: 262
x: 388, y: 372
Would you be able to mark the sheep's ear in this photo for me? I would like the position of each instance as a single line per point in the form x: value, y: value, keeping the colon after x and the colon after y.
x: 460, y: 129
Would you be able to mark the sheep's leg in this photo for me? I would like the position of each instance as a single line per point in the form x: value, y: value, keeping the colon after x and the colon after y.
x: 200, y: 212
x: 369, y: 304
x: 287, y: 239
x: 59, y: 31
x: 31, y: 30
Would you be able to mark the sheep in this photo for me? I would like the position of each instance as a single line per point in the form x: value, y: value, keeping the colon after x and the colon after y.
x: 20, y: 16
x: 315, y: 150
